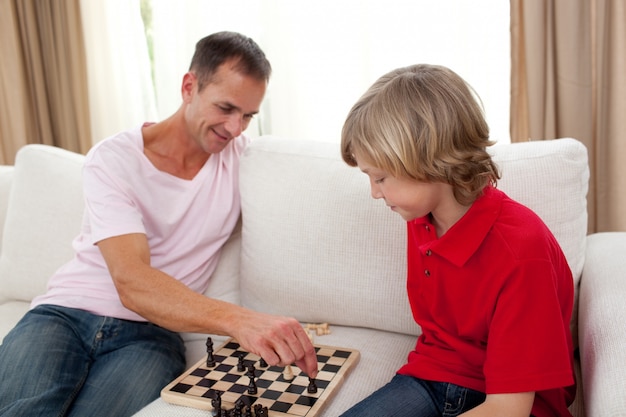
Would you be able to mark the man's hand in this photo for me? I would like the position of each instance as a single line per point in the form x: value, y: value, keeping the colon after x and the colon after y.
x: 279, y: 340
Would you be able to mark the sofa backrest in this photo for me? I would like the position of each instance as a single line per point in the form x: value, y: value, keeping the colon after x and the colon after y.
x: 6, y: 179
x: 314, y: 245
x: 317, y: 247
x: 43, y: 215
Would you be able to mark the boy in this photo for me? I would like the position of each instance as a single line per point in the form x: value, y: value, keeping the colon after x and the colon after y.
x: 487, y: 281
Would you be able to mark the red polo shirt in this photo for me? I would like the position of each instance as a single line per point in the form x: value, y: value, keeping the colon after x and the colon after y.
x: 494, y: 298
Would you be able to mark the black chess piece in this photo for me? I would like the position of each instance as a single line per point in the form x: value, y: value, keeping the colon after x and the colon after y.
x: 312, y: 388
x: 240, y: 363
x: 252, y: 389
x: 261, y: 411
x: 210, y: 360
x: 238, y: 410
x: 262, y: 363
x: 216, y: 402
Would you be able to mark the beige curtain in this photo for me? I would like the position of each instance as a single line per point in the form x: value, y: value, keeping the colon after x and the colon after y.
x: 568, y: 79
x: 43, y: 79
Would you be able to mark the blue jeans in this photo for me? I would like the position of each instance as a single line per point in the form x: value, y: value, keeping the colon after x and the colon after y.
x: 65, y: 362
x: 405, y: 396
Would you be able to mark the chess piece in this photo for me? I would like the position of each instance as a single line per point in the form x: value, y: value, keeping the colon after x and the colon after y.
x: 240, y: 363
x: 216, y: 403
x: 262, y: 363
x: 238, y: 410
x: 312, y: 388
x: 288, y: 373
x: 320, y: 329
x: 252, y: 389
x: 260, y: 411
x: 210, y: 360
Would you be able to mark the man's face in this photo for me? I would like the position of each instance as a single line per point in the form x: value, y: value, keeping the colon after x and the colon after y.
x: 224, y: 107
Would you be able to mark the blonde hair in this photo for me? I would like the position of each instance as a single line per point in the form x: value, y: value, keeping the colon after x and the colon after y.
x: 423, y: 122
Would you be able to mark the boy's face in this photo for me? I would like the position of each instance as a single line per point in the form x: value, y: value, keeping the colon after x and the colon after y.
x: 409, y: 198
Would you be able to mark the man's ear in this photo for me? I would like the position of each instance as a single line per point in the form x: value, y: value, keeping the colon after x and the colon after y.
x: 188, y: 86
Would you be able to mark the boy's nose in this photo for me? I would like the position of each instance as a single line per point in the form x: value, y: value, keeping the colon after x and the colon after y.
x: 376, y: 193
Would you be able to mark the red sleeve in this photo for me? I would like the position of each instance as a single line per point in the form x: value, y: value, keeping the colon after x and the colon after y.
x: 530, y: 346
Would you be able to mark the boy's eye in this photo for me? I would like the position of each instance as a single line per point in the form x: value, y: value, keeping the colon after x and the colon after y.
x: 379, y: 180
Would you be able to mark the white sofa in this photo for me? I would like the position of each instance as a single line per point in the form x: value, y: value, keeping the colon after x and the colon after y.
x: 314, y: 245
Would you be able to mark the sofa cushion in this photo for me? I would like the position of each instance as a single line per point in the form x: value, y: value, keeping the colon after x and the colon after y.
x: 43, y: 216
x: 6, y: 179
x: 317, y: 247
x: 11, y: 312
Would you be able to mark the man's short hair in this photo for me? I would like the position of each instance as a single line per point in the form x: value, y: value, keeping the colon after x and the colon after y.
x: 214, y: 50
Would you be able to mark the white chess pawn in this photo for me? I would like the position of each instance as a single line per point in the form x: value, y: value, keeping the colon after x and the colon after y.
x: 288, y: 373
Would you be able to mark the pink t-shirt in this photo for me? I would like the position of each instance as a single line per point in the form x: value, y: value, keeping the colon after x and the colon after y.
x: 186, y: 221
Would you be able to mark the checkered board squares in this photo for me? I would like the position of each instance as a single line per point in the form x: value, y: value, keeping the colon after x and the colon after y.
x: 198, y: 385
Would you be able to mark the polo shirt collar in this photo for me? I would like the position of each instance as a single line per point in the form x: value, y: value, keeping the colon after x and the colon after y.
x: 464, y: 238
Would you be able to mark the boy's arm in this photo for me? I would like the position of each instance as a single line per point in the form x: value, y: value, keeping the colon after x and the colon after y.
x: 510, y: 405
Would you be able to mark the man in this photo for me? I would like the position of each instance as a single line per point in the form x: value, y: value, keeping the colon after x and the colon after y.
x: 161, y: 200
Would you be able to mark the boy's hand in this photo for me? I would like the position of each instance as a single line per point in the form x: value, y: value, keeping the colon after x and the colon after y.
x: 498, y: 405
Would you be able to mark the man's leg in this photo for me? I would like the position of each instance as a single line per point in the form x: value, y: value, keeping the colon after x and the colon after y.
x: 133, y: 362
x: 42, y: 364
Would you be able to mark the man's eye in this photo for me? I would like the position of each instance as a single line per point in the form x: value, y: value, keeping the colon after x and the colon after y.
x: 248, y: 116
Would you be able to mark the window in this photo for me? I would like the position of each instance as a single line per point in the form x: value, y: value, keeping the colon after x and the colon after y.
x: 326, y: 53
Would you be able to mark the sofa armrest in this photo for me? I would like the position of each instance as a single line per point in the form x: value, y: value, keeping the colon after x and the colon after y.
x: 6, y: 179
x: 602, y: 328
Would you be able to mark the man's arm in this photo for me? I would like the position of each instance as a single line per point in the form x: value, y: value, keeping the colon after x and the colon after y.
x: 167, y: 302
x: 499, y: 405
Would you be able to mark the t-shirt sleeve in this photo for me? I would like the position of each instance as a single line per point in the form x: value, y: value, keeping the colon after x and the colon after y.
x: 529, y: 348
x: 109, y: 204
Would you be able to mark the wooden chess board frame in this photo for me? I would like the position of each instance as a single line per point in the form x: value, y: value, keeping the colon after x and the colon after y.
x: 197, y: 395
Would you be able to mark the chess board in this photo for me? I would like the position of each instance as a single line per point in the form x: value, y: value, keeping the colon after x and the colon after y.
x: 198, y: 385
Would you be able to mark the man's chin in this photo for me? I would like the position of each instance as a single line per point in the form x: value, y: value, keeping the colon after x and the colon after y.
x: 217, y: 146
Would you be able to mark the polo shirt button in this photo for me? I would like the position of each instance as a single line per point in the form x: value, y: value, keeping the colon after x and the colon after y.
x: 427, y: 228
x: 429, y: 252
x: 426, y: 272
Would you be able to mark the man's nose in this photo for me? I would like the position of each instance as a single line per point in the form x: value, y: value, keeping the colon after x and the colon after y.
x: 235, y: 125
